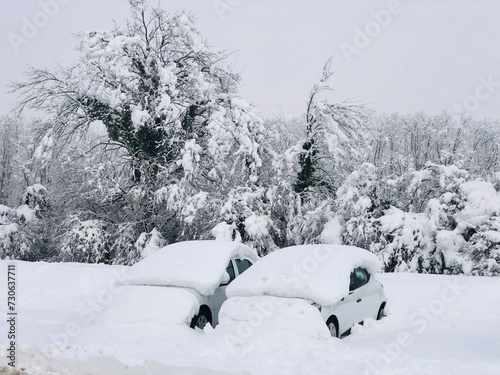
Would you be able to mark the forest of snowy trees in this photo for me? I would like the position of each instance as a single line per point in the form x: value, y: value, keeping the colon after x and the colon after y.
x: 145, y: 141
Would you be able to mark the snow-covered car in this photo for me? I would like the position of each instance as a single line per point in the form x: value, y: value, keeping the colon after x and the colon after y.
x: 201, y: 269
x: 338, y: 280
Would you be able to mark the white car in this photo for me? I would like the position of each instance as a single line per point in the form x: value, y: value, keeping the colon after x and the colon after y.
x: 201, y: 269
x: 339, y: 280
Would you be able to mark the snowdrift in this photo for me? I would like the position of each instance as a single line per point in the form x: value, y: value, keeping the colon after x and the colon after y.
x: 247, y: 314
x: 160, y: 305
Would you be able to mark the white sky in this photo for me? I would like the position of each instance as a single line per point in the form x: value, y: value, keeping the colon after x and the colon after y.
x: 431, y: 55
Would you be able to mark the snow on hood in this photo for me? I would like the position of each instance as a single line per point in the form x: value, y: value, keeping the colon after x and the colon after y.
x: 200, y: 265
x: 153, y: 304
x: 319, y: 273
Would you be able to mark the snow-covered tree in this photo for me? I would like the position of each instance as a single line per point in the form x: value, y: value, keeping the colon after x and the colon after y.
x: 329, y: 147
x: 171, y: 112
x: 13, y: 142
x: 333, y: 141
x: 162, y: 94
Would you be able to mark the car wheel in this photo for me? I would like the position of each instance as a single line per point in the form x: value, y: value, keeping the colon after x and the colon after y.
x: 201, y: 319
x: 381, y: 311
x: 333, y: 326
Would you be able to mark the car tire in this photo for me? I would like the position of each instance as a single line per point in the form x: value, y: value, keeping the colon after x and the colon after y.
x: 381, y: 311
x: 333, y: 326
x: 201, y: 319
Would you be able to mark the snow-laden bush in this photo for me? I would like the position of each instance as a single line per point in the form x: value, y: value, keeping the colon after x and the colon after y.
x: 464, y: 219
x: 128, y: 247
x: 36, y: 198
x: 85, y: 241
x: 245, y: 217
x: 22, y: 228
x: 405, y: 241
x: 484, y: 250
x: 122, y: 249
x: 18, y: 235
x: 8, y: 232
x: 311, y: 222
x: 360, y: 202
x: 148, y: 243
x: 450, y: 226
x: 417, y: 187
x: 478, y: 222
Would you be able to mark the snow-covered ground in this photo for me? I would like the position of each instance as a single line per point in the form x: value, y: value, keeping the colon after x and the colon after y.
x: 435, y: 325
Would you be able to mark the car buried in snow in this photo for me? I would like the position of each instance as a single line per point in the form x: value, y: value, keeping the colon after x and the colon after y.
x: 339, y: 281
x: 196, y: 274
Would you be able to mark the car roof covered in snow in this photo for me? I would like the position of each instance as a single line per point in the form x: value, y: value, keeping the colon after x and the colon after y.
x: 199, y: 265
x: 320, y: 273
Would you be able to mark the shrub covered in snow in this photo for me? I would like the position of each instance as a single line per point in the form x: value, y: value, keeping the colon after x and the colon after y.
x: 85, y: 241
x: 20, y: 227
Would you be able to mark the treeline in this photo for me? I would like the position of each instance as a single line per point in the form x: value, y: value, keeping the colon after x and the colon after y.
x: 145, y: 142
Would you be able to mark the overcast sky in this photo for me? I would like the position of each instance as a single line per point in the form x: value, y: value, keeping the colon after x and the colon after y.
x: 402, y: 56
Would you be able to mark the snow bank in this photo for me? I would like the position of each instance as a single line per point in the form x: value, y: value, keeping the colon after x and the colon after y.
x: 161, y: 305
x: 319, y: 273
x: 247, y: 314
x: 200, y: 265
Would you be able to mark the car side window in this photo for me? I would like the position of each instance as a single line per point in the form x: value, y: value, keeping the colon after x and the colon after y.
x: 359, y: 277
x: 230, y: 272
x: 243, y: 265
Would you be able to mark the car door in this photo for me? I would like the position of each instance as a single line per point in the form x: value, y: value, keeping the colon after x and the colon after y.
x: 348, y: 309
x: 364, y: 294
x: 370, y: 295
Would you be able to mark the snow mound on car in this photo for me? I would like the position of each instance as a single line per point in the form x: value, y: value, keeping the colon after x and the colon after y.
x: 154, y: 304
x: 319, y: 273
x: 244, y: 315
x: 200, y: 265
